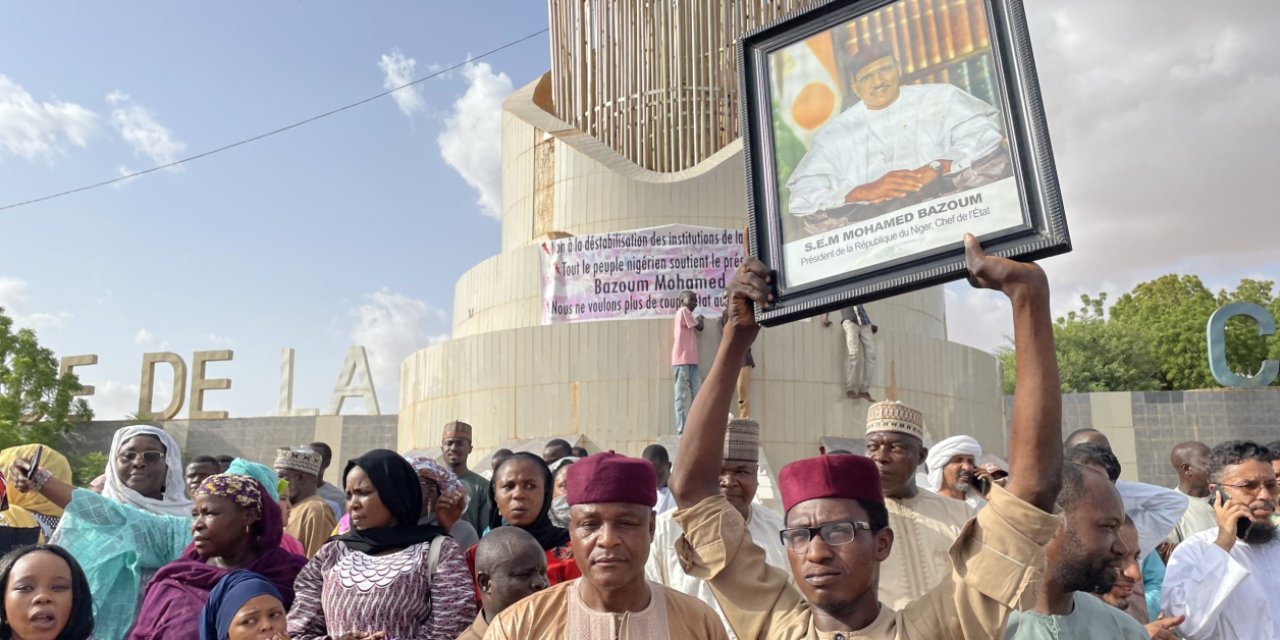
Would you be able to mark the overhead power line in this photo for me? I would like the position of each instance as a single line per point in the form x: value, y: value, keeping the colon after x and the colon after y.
x: 273, y: 132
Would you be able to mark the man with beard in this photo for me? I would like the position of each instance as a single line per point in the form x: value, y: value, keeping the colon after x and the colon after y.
x: 838, y: 531
x: 1226, y: 580
x: 924, y: 524
x: 1084, y: 558
x: 954, y: 472
x: 1127, y: 592
x: 1155, y: 510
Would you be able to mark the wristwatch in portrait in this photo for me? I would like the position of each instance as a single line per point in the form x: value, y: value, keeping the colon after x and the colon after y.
x: 936, y: 165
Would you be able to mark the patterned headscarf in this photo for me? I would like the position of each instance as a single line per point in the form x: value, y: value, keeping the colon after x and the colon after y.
x: 242, y: 490
x: 445, y: 479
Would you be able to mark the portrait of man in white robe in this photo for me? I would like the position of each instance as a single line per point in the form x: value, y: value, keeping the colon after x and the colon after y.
x: 897, y: 146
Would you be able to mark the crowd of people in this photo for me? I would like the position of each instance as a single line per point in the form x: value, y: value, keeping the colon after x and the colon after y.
x: 914, y: 539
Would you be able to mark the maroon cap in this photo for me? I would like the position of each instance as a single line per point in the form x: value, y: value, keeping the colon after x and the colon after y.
x: 609, y: 477
x: 829, y: 476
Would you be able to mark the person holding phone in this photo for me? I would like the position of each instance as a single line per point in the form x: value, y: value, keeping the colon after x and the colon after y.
x: 1225, y: 580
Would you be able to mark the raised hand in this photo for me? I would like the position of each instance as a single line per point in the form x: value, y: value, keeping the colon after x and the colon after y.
x: 16, y: 475
x: 1227, y: 512
x: 1002, y: 274
x: 449, y: 507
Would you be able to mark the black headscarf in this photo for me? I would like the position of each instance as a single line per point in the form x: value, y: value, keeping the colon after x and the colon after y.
x: 398, y: 488
x: 547, y: 534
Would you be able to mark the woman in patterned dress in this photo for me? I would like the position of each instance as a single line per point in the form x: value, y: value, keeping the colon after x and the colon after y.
x: 379, y: 577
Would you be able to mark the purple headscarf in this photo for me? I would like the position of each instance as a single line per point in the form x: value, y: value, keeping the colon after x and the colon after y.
x: 175, y: 596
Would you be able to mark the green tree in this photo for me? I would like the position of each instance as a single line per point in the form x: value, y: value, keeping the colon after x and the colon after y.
x: 1093, y: 354
x: 1170, y: 314
x: 1154, y: 337
x: 36, y: 403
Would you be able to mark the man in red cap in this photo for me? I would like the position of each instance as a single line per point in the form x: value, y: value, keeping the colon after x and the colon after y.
x: 837, y: 527
x: 611, y: 523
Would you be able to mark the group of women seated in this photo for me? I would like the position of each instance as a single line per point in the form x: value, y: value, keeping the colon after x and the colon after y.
x: 142, y: 561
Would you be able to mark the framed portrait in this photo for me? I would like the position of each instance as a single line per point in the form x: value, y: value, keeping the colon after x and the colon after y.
x: 877, y: 133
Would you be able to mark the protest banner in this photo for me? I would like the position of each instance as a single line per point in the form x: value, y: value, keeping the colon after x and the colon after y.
x: 637, y: 274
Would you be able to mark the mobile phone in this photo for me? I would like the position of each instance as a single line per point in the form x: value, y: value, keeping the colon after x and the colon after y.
x: 1219, y: 496
x: 35, y: 461
x: 983, y: 484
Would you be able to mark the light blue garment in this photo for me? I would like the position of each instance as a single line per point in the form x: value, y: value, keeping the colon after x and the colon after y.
x: 117, y: 545
x: 260, y: 472
x: 686, y: 389
x: 1092, y: 618
x: 1153, y: 583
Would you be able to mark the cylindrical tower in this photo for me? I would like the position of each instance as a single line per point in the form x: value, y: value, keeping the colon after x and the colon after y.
x: 656, y: 82
x: 579, y: 152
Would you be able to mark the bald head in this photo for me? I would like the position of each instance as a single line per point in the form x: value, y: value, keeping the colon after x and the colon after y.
x: 1190, y: 460
x: 1087, y: 436
x: 1185, y: 452
x: 510, y: 566
x: 504, y: 544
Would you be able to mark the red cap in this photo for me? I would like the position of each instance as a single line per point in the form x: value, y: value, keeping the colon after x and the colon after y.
x: 829, y: 476
x: 609, y: 477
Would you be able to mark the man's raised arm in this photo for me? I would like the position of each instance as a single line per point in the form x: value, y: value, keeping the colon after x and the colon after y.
x: 1035, y: 444
x: 697, y: 469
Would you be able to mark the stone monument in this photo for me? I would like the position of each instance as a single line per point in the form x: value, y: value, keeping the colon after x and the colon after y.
x: 636, y: 126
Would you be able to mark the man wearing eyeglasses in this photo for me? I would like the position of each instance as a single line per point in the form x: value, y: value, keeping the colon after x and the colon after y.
x: 837, y: 526
x: 1226, y: 580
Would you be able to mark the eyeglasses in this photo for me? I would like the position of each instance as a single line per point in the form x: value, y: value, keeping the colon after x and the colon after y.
x: 1254, y: 487
x: 832, y: 533
x: 151, y: 457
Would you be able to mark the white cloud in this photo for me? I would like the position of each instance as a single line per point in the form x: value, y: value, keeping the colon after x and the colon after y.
x: 147, y: 340
x: 31, y: 129
x: 397, y: 71
x: 138, y: 126
x: 1164, y: 137
x: 114, y: 400
x: 471, y: 141
x: 13, y: 292
x: 221, y: 341
x: 13, y: 300
x: 390, y: 326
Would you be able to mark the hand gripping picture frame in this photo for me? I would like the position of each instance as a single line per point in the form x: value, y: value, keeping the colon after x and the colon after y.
x: 877, y: 133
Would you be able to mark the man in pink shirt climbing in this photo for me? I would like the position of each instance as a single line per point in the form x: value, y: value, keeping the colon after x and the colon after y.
x: 684, y: 356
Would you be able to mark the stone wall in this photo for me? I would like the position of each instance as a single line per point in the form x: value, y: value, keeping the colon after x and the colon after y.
x: 256, y: 439
x: 1143, y: 426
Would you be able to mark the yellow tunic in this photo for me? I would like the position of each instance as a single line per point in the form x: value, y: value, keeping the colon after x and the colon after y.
x: 311, y: 521
x: 997, y: 558
x: 477, y: 629
x: 924, y: 528
x: 558, y: 613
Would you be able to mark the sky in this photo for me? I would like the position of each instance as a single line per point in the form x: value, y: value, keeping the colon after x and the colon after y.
x: 353, y: 229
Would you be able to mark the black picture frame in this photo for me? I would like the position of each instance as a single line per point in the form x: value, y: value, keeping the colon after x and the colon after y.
x: 941, y: 41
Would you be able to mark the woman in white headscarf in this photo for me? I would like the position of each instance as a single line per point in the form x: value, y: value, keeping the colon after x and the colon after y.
x: 140, y: 522
x: 144, y: 470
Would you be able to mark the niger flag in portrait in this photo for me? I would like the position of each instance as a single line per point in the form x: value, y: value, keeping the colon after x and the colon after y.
x: 809, y: 95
